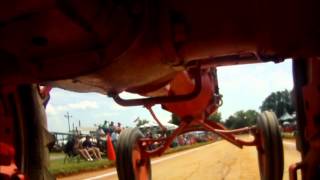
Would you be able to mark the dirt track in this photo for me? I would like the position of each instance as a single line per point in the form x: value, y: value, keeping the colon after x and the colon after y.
x: 220, y: 160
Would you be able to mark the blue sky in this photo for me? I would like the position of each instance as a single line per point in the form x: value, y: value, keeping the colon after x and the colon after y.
x: 243, y: 87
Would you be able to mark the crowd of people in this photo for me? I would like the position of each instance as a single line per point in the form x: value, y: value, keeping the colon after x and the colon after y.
x: 92, y: 151
x: 108, y: 129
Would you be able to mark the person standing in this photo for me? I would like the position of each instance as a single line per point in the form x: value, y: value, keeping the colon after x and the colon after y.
x: 114, y: 138
x: 105, y: 126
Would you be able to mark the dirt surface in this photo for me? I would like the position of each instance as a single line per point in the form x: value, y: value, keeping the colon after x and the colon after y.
x: 220, y: 160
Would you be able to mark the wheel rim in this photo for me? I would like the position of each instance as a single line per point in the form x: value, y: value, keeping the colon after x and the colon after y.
x: 140, y: 165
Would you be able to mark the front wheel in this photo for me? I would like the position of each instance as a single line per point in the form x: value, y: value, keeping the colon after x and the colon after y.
x: 270, y: 149
x: 130, y: 162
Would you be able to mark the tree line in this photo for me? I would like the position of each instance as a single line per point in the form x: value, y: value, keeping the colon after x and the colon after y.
x: 279, y: 102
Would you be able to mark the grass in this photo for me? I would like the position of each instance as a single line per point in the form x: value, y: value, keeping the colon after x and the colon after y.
x: 58, y: 168
x: 56, y: 154
x: 287, y: 135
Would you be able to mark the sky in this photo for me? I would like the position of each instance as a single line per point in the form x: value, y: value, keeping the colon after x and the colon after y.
x: 243, y: 87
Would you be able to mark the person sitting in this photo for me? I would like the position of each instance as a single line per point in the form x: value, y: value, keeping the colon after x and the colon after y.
x: 73, y: 148
x: 87, y: 144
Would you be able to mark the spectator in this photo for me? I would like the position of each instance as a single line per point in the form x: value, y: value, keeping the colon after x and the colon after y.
x: 105, y: 126
x: 87, y: 144
x: 118, y: 128
x: 181, y: 140
x: 185, y: 139
x: 73, y: 148
x: 114, y: 138
x: 149, y: 133
x: 100, y: 133
x: 111, y: 127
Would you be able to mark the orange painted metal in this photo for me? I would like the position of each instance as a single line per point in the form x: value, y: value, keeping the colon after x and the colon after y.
x: 163, y: 128
x: 311, y: 98
x: 197, y: 125
x: 44, y: 91
x: 193, y: 113
x: 165, y: 142
x: 311, y: 94
x: 8, y: 167
x: 6, y: 115
x: 162, y: 99
x: 7, y: 163
x: 229, y: 135
x: 197, y: 107
x: 293, y: 170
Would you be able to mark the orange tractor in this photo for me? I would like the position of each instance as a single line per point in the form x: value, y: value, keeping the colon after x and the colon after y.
x: 168, y: 52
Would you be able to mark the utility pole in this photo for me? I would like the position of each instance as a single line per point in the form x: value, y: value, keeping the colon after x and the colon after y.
x: 68, y: 116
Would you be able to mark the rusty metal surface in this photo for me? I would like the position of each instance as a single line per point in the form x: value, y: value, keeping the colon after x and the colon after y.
x: 141, y: 46
x: 311, y: 96
x: 91, y: 46
x: 197, y: 89
x: 293, y: 168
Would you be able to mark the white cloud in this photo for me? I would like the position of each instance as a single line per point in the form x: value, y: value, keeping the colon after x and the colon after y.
x: 82, y: 105
x: 116, y: 107
x: 57, y: 124
x: 106, y: 114
x: 246, y: 86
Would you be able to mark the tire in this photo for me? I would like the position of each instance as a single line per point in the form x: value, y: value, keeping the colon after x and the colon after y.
x: 31, y: 136
x: 270, y: 150
x: 130, y: 164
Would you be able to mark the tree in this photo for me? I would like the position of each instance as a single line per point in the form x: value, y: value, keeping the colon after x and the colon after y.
x: 242, y: 119
x: 252, y: 116
x: 215, y: 117
x: 139, y: 122
x: 175, y: 119
x: 280, y: 102
x: 230, y: 122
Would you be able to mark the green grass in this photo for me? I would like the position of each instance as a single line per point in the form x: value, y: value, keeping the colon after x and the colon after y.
x: 56, y: 153
x: 58, y: 168
x: 287, y: 135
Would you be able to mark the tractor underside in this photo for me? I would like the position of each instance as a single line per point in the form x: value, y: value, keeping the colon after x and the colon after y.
x: 164, y: 50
